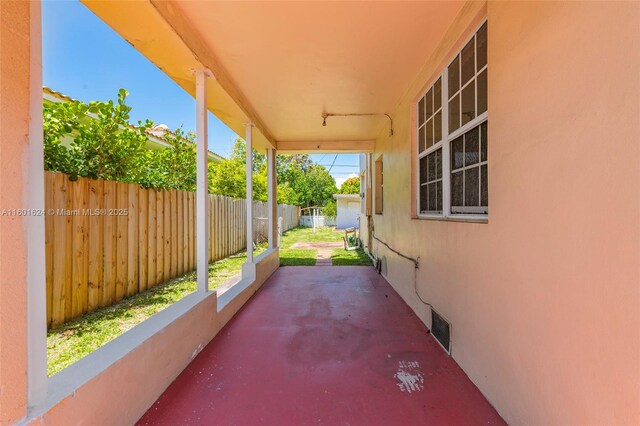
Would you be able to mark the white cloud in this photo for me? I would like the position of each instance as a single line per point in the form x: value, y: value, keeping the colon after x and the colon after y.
x: 340, y: 180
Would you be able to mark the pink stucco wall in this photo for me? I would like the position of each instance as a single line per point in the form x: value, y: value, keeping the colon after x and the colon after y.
x: 544, y: 299
x: 14, y: 126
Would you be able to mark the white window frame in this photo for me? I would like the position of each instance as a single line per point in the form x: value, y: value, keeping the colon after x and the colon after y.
x: 445, y: 143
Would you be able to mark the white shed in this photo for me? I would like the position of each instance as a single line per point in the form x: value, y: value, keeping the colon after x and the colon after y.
x: 348, y: 210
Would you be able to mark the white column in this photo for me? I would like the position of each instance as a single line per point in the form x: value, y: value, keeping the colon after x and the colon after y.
x: 272, y: 200
x: 249, y: 172
x: 202, y: 195
x: 34, y: 197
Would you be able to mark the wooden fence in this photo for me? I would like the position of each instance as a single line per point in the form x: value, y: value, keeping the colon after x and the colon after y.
x: 107, y: 240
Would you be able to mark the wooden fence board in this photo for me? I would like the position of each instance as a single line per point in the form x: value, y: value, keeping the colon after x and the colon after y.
x: 215, y: 219
x: 122, y: 202
x: 59, y: 273
x: 180, y: 227
x: 212, y: 233
x: 49, y: 238
x: 236, y: 225
x: 96, y: 244
x: 159, y: 237
x: 185, y: 231
x: 132, y: 239
x: 192, y: 239
x: 232, y: 233
x: 152, y: 258
x: 143, y: 237
x: 174, y: 233
x: 108, y: 240
x: 68, y: 259
x: 167, y: 236
x: 81, y: 247
x: 224, y: 228
x: 110, y: 244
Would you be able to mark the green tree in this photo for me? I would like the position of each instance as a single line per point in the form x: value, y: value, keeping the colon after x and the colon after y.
x: 311, y: 184
x: 173, y: 168
x: 316, y: 187
x: 300, y: 181
x: 330, y: 209
x: 350, y: 186
x: 286, y: 194
x: 228, y: 177
x: 93, y: 140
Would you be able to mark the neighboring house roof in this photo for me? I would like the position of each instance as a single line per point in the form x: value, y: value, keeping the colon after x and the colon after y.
x: 346, y: 196
x: 155, y: 134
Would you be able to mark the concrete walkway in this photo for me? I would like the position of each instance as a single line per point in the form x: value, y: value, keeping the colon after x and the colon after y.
x: 323, y: 346
x: 325, y: 249
x: 324, y: 257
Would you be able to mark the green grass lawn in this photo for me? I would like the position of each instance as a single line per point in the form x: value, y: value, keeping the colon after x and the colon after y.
x: 298, y: 257
x: 306, y: 257
x: 301, y: 234
x: 76, y: 339
x: 342, y: 257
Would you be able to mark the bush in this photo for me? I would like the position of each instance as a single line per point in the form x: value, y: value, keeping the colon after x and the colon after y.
x: 96, y: 141
x: 330, y: 209
x: 102, y: 145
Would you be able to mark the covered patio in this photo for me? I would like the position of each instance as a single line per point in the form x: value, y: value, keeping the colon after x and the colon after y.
x: 323, y: 345
x: 531, y: 107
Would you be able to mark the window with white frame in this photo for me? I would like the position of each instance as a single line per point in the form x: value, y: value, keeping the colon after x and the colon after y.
x: 452, y: 136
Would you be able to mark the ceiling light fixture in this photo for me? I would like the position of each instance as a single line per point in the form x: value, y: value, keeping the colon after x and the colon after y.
x: 325, y: 115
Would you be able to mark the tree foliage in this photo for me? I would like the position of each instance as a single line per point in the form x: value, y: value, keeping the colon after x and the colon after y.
x: 100, y: 142
x: 350, y: 186
x: 300, y: 181
x: 330, y: 209
x: 95, y: 140
x: 311, y: 183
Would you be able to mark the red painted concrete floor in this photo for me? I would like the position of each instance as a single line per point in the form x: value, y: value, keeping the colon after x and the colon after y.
x: 323, y: 346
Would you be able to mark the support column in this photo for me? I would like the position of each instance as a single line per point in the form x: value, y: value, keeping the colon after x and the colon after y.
x: 249, y: 196
x: 202, y: 184
x: 35, y: 224
x: 272, y: 200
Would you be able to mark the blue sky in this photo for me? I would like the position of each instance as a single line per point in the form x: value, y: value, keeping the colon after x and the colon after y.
x: 85, y: 59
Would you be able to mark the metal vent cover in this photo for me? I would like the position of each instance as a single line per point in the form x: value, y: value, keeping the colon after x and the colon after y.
x: 441, y: 330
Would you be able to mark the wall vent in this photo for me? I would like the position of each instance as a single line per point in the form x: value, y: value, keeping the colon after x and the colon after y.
x: 441, y: 330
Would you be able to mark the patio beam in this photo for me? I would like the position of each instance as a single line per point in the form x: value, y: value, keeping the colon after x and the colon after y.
x: 193, y: 41
x: 336, y: 146
x: 202, y: 184
x: 272, y: 195
x: 249, y: 195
